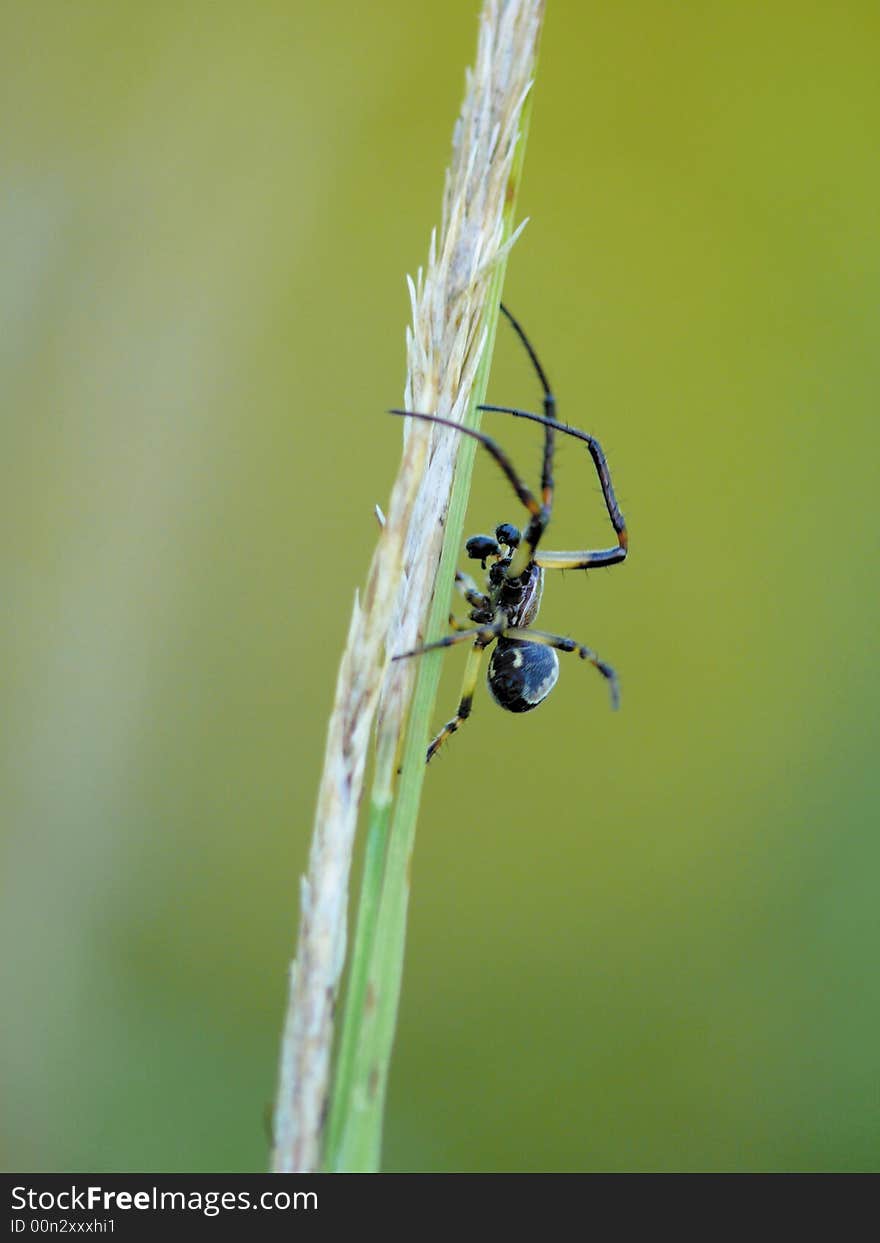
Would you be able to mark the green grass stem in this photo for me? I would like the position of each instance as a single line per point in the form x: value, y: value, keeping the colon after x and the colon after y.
x: 354, y: 1130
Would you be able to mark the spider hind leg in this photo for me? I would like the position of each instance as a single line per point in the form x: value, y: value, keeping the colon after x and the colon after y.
x: 468, y: 686
x: 563, y: 644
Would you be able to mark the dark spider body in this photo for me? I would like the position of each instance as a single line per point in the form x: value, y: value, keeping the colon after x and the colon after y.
x: 521, y: 674
x: 523, y: 667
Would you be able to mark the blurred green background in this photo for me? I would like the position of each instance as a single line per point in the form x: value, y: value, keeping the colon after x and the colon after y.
x: 647, y: 941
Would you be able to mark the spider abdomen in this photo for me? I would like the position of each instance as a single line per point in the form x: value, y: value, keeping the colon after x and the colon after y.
x: 521, y: 674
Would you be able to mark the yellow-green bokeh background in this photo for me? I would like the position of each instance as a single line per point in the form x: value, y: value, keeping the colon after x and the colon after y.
x: 645, y: 941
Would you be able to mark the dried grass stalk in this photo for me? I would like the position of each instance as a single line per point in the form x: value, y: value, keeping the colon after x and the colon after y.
x: 454, y: 311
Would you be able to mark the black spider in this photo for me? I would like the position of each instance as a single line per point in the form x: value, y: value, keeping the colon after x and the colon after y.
x: 524, y: 666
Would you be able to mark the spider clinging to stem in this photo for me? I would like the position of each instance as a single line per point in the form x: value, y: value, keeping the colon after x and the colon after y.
x: 523, y: 667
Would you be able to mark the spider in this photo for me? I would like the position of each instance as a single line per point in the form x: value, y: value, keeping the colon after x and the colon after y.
x: 523, y: 667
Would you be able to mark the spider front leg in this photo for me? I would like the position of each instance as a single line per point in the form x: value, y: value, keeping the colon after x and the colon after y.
x: 587, y: 559
x: 563, y: 644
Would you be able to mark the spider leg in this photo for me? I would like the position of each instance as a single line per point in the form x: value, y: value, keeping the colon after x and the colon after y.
x: 480, y: 634
x: 524, y: 554
x: 468, y: 588
x: 563, y: 644
x: 549, y: 412
x: 586, y: 560
x: 520, y: 488
x: 540, y: 514
x: 468, y: 686
x: 482, y: 637
x: 475, y: 598
x: 600, y: 462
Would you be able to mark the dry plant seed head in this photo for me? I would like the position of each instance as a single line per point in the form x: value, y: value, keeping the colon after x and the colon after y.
x: 444, y: 346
